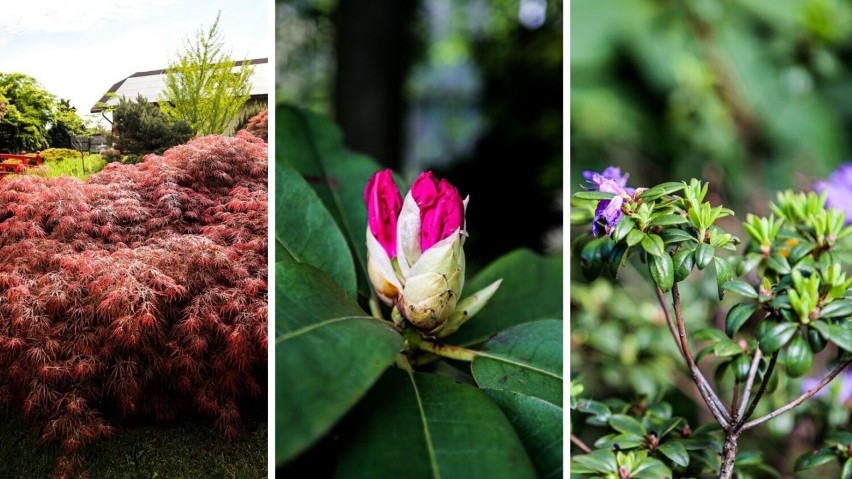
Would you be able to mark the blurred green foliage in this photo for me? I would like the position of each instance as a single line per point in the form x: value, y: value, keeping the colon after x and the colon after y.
x: 752, y: 96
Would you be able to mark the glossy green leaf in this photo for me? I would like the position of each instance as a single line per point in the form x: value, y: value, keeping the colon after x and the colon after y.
x: 709, y: 334
x: 531, y: 290
x: 841, y: 336
x: 778, y: 263
x: 627, y: 425
x: 662, y: 271
x: 741, y: 288
x: 313, y: 390
x: 618, y: 257
x: 593, y: 195
x: 592, y: 257
x: 684, y: 261
x: 675, y: 451
x: 846, y: 471
x: 668, y: 220
x: 306, y: 229
x: 526, y: 358
x: 427, y: 426
x: 740, y: 367
x: 661, y: 190
x: 837, y: 308
x: 539, y: 426
x: 622, y: 229
x: 777, y: 336
x: 737, y: 317
x: 651, y: 468
x: 653, y: 244
x: 601, y: 461
x: 674, y: 235
x: 595, y: 408
x: 816, y: 341
x: 724, y: 272
x: 313, y: 146
x: 726, y: 348
x: 703, y: 255
x: 635, y: 237
x: 619, y: 441
x: 799, y: 357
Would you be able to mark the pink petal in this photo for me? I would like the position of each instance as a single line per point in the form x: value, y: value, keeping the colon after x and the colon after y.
x: 383, y: 206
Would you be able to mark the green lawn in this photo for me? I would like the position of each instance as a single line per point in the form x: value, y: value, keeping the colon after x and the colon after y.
x: 73, y: 166
x: 186, y: 449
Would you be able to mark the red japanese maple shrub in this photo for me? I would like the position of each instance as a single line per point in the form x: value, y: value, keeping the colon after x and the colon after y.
x: 258, y: 125
x: 139, y: 293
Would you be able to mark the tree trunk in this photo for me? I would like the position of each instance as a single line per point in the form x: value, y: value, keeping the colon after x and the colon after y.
x: 374, y: 52
x: 729, y: 454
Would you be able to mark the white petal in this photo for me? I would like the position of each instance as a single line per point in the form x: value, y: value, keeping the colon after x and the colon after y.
x: 443, y: 257
x: 381, y: 272
x: 408, y: 235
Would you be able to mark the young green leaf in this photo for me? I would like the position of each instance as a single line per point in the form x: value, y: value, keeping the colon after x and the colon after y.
x: 662, y: 271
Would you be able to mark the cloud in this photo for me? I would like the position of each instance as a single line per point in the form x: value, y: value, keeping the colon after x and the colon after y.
x: 39, y: 17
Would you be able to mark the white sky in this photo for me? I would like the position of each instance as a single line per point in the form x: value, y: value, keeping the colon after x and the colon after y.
x: 78, y: 49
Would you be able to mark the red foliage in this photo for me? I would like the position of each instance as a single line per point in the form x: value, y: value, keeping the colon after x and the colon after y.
x: 258, y: 125
x: 142, y: 292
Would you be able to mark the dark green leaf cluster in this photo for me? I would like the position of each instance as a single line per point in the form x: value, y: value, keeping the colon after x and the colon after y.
x: 803, y: 300
x: 837, y: 446
x: 141, y: 128
x: 673, y: 234
x: 645, y: 441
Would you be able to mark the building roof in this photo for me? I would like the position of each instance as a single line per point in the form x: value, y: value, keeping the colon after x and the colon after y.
x: 149, y: 84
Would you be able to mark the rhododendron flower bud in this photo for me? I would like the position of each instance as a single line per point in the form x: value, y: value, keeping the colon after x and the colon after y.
x: 424, y: 277
x: 383, y: 205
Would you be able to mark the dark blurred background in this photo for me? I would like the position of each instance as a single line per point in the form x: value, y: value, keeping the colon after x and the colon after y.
x: 472, y: 90
x: 753, y: 95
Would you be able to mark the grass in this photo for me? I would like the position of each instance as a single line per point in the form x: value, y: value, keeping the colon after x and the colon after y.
x: 72, y: 166
x: 189, y: 448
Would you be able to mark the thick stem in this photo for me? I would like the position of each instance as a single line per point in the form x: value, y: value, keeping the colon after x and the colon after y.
x: 716, y: 407
x: 672, y: 328
x: 448, y: 351
x: 729, y: 455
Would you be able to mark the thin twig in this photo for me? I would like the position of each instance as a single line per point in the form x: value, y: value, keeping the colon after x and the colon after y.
x: 781, y: 410
x: 710, y: 397
x: 672, y: 328
x: 579, y: 443
x: 734, y: 401
x: 752, y: 374
x: 762, y: 389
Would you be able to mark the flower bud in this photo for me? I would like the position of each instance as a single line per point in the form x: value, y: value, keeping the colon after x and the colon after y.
x: 383, y: 205
x: 415, y: 259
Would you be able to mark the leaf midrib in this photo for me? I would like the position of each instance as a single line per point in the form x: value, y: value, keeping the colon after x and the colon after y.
x: 433, y: 460
x: 306, y: 329
x: 483, y: 354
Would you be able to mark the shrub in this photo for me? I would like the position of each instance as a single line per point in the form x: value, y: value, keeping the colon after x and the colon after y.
x: 139, y: 293
x: 55, y: 154
x: 142, y: 128
x: 258, y: 125
x: 111, y: 155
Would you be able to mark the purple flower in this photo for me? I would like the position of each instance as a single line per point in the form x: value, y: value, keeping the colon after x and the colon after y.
x: 608, y: 212
x: 838, y: 189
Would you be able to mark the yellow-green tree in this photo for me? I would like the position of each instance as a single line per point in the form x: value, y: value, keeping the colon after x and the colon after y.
x: 205, y: 87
